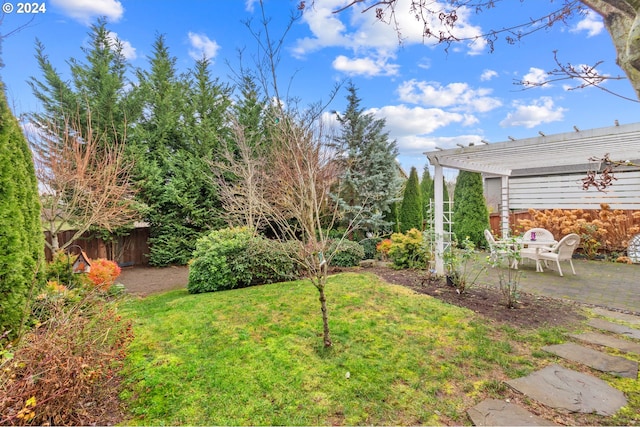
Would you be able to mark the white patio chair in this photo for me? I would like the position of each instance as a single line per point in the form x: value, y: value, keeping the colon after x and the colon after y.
x: 496, y: 252
x: 562, y: 251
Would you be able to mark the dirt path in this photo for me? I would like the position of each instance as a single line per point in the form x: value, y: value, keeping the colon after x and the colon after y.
x: 144, y: 281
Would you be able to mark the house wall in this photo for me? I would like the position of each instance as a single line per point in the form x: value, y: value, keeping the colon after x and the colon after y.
x: 565, y: 192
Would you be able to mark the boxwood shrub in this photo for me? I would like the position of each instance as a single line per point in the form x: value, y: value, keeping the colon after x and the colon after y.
x: 233, y: 257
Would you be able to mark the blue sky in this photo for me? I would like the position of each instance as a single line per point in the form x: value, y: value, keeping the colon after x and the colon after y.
x: 429, y: 97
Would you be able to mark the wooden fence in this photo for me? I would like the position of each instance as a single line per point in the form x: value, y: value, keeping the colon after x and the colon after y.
x: 129, y: 250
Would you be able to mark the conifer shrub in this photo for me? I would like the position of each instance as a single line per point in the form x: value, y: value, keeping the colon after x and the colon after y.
x: 470, y: 213
x: 410, y: 214
x: 346, y: 253
x: 21, y: 237
x: 409, y: 250
x: 233, y: 257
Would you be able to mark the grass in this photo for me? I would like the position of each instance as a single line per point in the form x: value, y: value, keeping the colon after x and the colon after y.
x: 254, y: 356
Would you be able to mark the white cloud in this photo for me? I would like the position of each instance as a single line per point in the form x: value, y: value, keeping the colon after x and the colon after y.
x: 458, y: 96
x: 360, y: 32
x: 86, y: 10
x: 540, y: 111
x: 202, y: 46
x: 128, y: 50
x: 535, y: 77
x: 409, y: 126
x: 365, y: 66
x: 592, y: 24
x: 488, y: 75
x: 249, y: 5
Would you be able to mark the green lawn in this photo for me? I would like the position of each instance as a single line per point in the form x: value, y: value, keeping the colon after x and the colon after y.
x: 255, y: 356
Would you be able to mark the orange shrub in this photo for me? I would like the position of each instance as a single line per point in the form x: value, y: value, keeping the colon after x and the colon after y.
x: 103, y: 273
x: 605, y: 229
x: 383, y: 248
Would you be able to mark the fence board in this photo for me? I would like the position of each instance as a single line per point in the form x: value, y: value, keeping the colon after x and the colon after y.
x: 130, y: 250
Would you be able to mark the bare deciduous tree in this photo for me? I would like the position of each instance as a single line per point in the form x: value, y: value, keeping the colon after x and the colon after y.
x: 291, y: 189
x: 83, y: 183
x: 239, y: 173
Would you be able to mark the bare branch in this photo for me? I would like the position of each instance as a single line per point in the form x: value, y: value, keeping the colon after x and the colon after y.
x: 588, y: 75
x: 84, y: 183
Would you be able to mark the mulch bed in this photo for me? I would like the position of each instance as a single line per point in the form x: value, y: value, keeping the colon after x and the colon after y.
x: 531, y: 311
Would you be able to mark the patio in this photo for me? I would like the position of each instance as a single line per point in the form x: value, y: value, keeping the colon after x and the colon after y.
x: 600, y: 283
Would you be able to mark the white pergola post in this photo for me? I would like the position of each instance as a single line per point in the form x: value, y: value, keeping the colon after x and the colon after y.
x: 438, y: 218
x: 504, y: 211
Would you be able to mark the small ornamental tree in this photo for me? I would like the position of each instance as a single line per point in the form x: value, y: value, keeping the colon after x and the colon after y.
x: 470, y: 213
x: 410, y: 215
x: 21, y: 238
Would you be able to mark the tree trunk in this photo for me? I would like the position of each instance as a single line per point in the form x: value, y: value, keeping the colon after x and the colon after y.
x: 323, y: 306
x: 622, y: 20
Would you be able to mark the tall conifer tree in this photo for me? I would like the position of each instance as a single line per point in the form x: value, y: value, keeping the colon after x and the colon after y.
x: 21, y: 238
x: 470, y: 213
x: 410, y: 214
x: 426, y: 190
x: 370, y: 180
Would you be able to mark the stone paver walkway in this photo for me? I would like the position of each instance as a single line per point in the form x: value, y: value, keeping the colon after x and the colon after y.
x: 568, y: 390
x: 614, y: 365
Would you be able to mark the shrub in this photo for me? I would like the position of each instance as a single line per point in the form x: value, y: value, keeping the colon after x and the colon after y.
x: 383, y: 248
x: 409, y: 250
x: 270, y: 261
x: 410, y: 214
x: 60, y: 270
x: 470, y: 213
x: 233, y: 257
x: 369, y: 246
x: 65, y: 371
x: 604, y: 229
x: 21, y: 237
x: 103, y: 273
x: 345, y: 253
x: 210, y: 269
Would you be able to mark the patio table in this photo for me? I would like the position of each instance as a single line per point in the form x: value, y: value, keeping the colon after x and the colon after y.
x: 531, y: 249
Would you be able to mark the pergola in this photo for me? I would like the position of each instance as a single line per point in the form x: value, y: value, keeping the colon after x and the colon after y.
x: 541, y: 155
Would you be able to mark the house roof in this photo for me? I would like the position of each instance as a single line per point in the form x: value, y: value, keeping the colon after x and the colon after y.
x: 546, y: 154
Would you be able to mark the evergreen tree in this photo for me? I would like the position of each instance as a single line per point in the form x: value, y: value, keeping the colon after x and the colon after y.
x: 249, y: 109
x: 21, y: 237
x: 370, y: 181
x: 426, y: 190
x: 470, y: 213
x: 173, y: 145
x: 410, y: 215
x: 98, y: 93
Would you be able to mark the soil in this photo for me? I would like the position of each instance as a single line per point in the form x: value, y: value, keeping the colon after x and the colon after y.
x: 531, y: 311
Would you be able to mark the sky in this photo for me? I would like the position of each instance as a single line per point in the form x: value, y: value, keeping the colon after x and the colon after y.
x: 429, y: 96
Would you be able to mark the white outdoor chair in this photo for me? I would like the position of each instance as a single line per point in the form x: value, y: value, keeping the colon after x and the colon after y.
x: 562, y: 251
x: 496, y: 252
